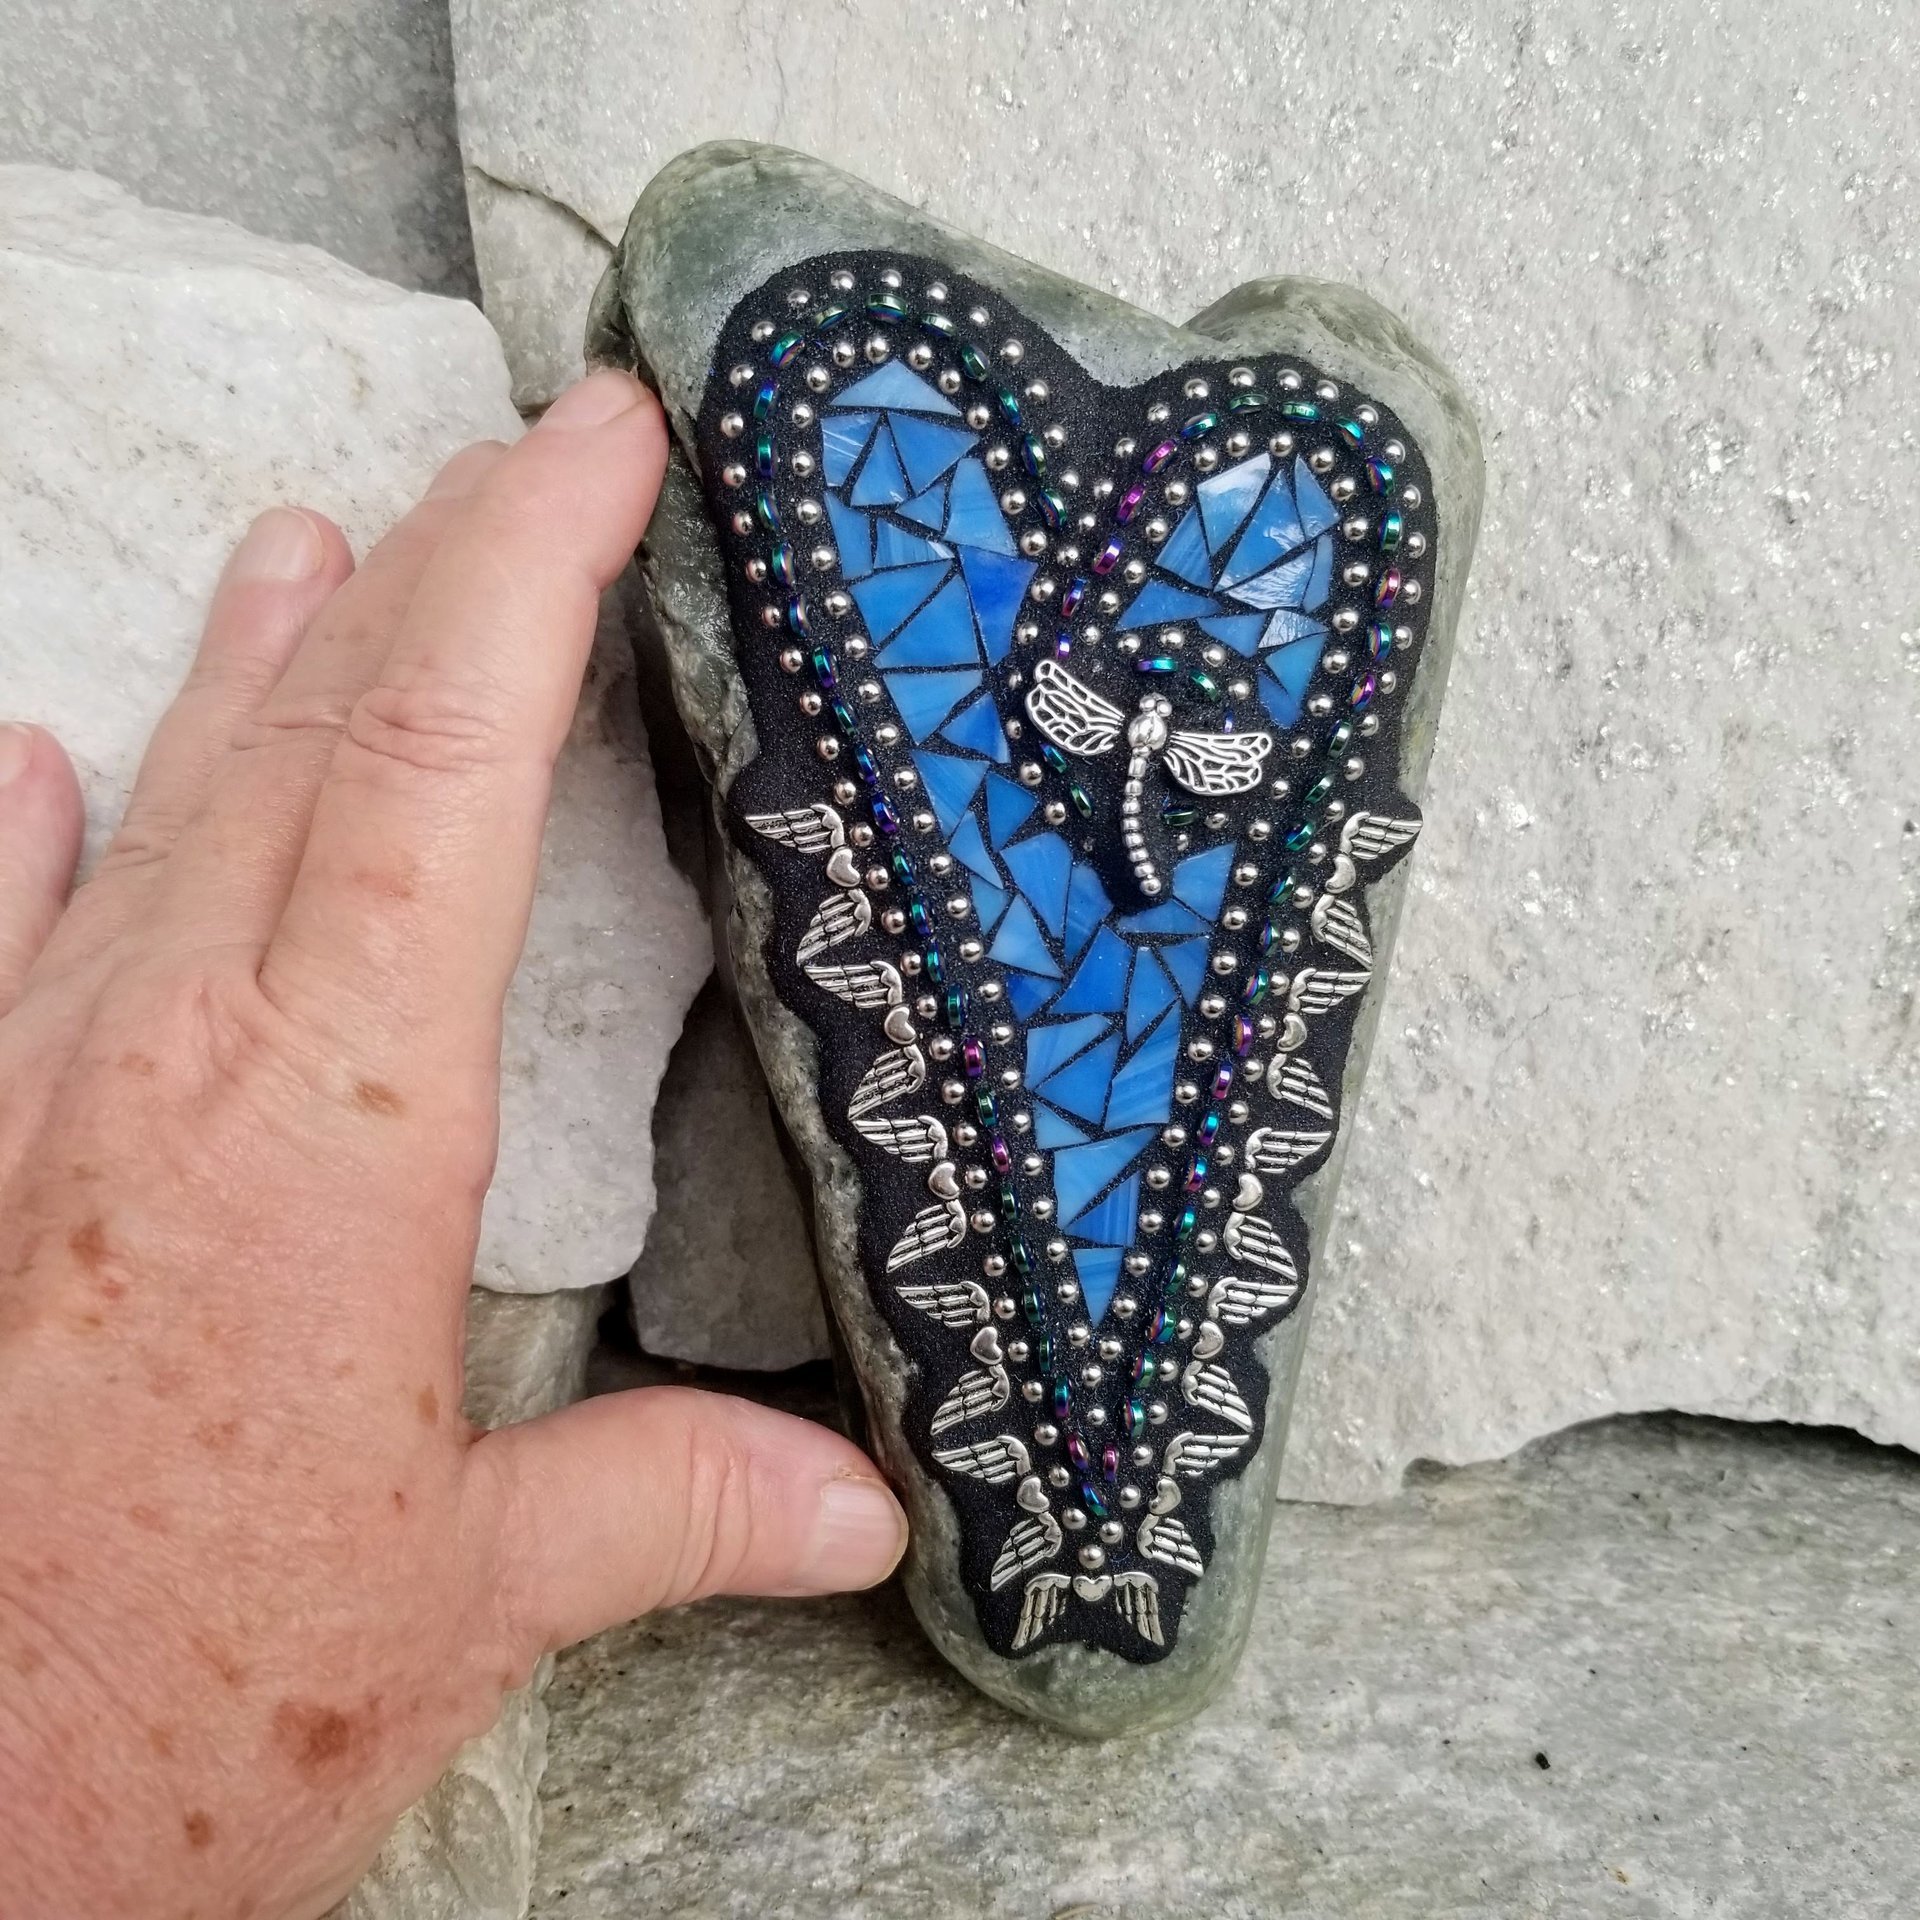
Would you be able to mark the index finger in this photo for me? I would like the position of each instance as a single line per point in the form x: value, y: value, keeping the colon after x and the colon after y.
x: 409, y: 909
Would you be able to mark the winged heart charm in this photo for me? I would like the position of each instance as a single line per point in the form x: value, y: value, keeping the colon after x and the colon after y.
x: 1074, y: 759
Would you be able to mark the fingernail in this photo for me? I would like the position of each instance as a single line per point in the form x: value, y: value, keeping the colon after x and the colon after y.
x: 16, y: 749
x: 600, y: 397
x: 281, y: 545
x: 858, y: 1537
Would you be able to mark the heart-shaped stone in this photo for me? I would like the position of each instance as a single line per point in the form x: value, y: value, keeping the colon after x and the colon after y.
x: 1103, y: 652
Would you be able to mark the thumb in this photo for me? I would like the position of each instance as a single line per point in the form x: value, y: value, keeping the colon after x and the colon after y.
x: 40, y: 825
x: 619, y: 1505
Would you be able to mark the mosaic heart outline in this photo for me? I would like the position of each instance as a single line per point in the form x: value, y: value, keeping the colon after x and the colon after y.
x: 901, y: 470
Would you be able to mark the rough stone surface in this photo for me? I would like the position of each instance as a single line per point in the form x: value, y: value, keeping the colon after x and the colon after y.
x: 700, y: 239
x: 465, y: 1851
x: 727, y: 1278
x: 1655, y: 1668
x: 1647, y: 1102
x: 164, y: 377
x: 328, y: 124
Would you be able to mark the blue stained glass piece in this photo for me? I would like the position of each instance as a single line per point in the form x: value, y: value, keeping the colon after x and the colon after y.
x: 1020, y: 943
x: 1186, y: 553
x: 1200, y: 880
x: 880, y: 481
x: 1143, y: 1088
x: 1274, y: 529
x: 1317, y: 512
x: 1082, y: 1174
x: 925, y: 699
x: 1227, y: 499
x: 1169, y: 917
x: 853, y: 535
x: 1289, y: 673
x: 1099, y: 983
x: 1159, y: 600
x: 896, y: 547
x: 1007, y: 806
x: 1315, y: 596
x: 950, y: 784
x: 1080, y: 1088
x: 1111, y: 1220
x: 1285, y: 625
x: 894, y: 386
x: 1282, y: 586
x: 1052, y: 1046
x: 1051, y: 1130
x: 1099, y: 1271
x: 939, y: 635
x: 927, y: 449
x: 842, y: 436
x: 997, y: 584
x: 978, y: 727
x: 1026, y: 995
x: 989, y: 903
x: 887, y: 599
x: 974, y: 518
x: 966, y: 846
x: 1187, y: 962
x: 1240, y: 631
x: 1151, y: 994
x: 927, y: 509
x: 1087, y: 907
x: 1040, y: 869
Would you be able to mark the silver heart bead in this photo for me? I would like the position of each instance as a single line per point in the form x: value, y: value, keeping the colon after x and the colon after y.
x: 1031, y: 1495
x: 843, y: 870
x: 1248, y: 1194
x: 944, y: 1181
x: 986, y: 1346
x: 1093, y: 1588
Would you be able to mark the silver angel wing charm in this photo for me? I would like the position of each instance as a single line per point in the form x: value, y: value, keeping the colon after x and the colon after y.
x: 936, y: 1229
x: 1042, y: 1605
x: 815, y: 829
x: 1211, y: 1389
x: 919, y: 1139
x: 868, y: 983
x: 1281, y: 1149
x: 1372, y: 836
x: 1136, y: 1598
x: 898, y: 1072
x: 1164, y: 1537
x: 837, y: 918
x: 1251, y: 1239
x: 1320, y: 989
x: 1189, y: 1455
x: 1070, y: 713
x: 954, y: 1303
x: 1336, y: 922
x: 1215, y: 764
x: 999, y: 1461
x: 1241, y: 1298
x: 979, y: 1390
x: 1030, y: 1542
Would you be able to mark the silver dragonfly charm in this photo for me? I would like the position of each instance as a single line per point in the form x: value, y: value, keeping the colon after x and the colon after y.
x: 1210, y: 765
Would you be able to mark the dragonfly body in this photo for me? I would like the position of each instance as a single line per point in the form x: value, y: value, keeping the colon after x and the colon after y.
x: 1210, y: 765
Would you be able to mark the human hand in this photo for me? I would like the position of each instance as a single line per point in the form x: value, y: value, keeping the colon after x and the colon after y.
x: 258, y: 1578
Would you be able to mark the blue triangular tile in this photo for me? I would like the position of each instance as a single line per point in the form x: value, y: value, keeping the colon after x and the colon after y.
x: 939, y: 635
x: 1160, y: 600
x: 978, y: 727
x: 1286, y: 625
x: 1051, y: 1130
x: 1275, y: 529
x: 1082, y: 1174
x: 880, y: 481
x: 1315, y: 596
x: 1169, y: 917
x: 1099, y: 983
x: 1200, y: 880
x: 1007, y: 807
x: 1143, y: 1088
x: 1317, y: 512
x: 1087, y: 907
x: 886, y: 600
x: 842, y: 436
x: 896, y: 547
x: 1080, y: 1088
x: 1026, y: 995
x: 950, y: 786
x: 966, y: 846
x: 1040, y: 868
x: 1151, y: 994
x: 998, y: 584
x: 1289, y: 673
x: 1020, y: 943
x: 974, y: 518
x: 1240, y: 631
x: 1282, y: 586
x: 1113, y: 1219
x: 927, y: 509
x: 853, y: 535
x: 1099, y: 1271
x: 1186, y: 553
x: 1186, y: 960
x: 1227, y: 499
x: 927, y: 449
x: 925, y: 699
x: 1053, y: 1045
x: 894, y: 386
x: 989, y: 903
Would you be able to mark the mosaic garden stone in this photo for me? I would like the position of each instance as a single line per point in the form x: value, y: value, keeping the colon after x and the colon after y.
x: 1067, y: 679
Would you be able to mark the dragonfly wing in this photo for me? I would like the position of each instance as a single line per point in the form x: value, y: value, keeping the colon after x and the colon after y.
x: 1211, y: 764
x: 1070, y: 713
